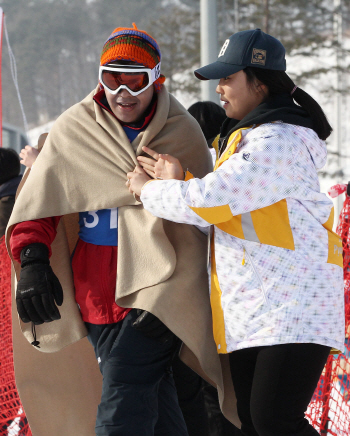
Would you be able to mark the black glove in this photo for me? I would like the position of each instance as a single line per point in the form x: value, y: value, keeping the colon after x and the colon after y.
x: 38, y: 290
x: 152, y: 327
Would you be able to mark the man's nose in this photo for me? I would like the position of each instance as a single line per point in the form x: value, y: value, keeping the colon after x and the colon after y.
x: 124, y: 93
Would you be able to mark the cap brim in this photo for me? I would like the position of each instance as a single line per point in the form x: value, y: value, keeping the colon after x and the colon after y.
x: 217, y: 70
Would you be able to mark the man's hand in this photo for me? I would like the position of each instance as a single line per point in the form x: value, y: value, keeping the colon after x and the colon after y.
x: 136, y: 180
x: 161, y: 166
x: 39, y: 291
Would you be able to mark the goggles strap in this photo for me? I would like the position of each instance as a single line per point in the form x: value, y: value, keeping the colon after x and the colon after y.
x: 155, y: 72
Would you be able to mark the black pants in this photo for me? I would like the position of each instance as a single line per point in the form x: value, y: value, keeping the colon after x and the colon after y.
x: 274, y: 386
x: 199, y: 404
x: 138, y: 392
x: 218, y: 424
x: 189, y: 388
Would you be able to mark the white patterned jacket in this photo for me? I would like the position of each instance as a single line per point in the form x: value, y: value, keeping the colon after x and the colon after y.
x: 276, y: 265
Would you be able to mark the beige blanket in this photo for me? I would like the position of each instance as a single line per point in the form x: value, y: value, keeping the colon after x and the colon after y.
x: 161, y: 265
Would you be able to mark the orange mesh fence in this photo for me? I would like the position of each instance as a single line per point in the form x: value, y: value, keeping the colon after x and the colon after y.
x: 329, y: 410
x: 12, y: 418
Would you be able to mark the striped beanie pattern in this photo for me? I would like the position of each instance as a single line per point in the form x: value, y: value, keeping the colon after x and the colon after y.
x: 132, y: 44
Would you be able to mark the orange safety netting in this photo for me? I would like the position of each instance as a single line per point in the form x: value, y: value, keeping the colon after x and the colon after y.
x: 12, y: 418
x: 329, y: 410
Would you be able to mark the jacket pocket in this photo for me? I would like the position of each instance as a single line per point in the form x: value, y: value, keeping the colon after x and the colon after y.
x: 246, y: 255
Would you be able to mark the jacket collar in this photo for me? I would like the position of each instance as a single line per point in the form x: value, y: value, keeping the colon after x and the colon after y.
x: 278, y: 108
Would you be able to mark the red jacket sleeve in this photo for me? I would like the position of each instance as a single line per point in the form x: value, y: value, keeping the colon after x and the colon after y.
x: 29, y: 232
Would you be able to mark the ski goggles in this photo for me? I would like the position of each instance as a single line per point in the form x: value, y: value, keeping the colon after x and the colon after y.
x: 133, y: 78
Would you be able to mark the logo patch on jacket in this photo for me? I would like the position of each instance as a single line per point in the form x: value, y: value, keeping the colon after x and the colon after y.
x: 258, y: 56
x: 246, y: 156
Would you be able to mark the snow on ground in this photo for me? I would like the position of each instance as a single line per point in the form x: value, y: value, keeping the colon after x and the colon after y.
x: 339, y: 412
x: 14, y: 428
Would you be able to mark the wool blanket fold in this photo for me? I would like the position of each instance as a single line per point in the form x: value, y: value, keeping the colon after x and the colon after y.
x: 161, y: 265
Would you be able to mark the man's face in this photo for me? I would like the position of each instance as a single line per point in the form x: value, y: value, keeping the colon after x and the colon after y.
x: 128, y: 108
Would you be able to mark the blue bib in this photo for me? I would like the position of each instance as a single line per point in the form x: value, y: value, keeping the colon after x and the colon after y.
x: 99, y: 227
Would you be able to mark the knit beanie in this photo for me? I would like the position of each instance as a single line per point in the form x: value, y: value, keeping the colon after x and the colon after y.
x: 132, y: 44
x: 9, y: 164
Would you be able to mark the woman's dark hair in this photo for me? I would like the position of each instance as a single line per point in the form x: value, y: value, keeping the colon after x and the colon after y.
x: 210, y: 116
x: 9, y: 164
x: 278, y: 82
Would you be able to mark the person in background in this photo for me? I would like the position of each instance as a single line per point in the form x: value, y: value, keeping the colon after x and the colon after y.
x: 210, y: 117
x: 9, y: 181
x: 82, y: 169
x: 277, y: 290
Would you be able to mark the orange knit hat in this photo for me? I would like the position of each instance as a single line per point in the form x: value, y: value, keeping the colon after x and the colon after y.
x: 133, y: 45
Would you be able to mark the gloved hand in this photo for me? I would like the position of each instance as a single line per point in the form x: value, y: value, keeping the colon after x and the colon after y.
x: 38, y: 290
x: 152, y: 327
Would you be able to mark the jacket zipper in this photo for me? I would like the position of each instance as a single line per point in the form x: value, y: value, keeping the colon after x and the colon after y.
x: 245, y: 251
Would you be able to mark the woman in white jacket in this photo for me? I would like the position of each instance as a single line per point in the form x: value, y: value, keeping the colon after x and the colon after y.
x: 276, y: 266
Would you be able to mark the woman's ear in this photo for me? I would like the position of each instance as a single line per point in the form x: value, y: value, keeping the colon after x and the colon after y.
x: 261, y: 88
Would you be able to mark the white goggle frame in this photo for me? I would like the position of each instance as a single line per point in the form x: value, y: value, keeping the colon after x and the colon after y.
x: 153, y: 75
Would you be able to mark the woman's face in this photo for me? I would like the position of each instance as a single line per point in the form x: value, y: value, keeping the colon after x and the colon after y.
x: 238, y: 96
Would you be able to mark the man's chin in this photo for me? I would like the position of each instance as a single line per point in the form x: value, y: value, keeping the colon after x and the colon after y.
x: 126, y: 117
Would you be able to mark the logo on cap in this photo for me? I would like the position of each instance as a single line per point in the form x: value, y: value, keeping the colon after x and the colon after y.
x: 224, y: 47
x: 259, y: 56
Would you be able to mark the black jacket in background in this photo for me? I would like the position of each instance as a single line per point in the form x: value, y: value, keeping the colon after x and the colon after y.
x: 7, y: 200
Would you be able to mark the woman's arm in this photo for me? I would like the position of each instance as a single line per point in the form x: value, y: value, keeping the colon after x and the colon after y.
x: 256, y: 177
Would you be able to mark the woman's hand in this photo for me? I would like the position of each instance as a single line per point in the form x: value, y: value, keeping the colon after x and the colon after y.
x: 28, y: 155
x: 136, y: 180
x: 162, y: 166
